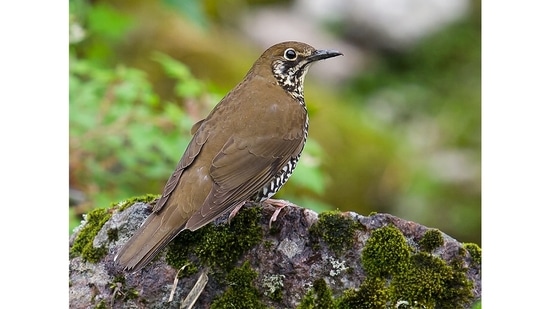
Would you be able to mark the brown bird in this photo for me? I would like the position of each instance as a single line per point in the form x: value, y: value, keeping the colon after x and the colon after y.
x: 246, y: 149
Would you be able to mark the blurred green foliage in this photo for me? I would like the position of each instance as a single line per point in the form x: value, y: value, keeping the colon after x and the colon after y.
x: 116, y: 122
x: 430, y: 98
x: 104, y: 27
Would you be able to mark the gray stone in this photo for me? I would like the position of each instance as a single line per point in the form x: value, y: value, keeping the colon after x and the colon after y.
x: 287, y: 258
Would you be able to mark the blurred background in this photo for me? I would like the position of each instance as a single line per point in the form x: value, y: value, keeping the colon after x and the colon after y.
x: 395, y: 124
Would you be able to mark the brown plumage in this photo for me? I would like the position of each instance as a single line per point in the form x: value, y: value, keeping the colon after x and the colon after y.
x: 244, y: 150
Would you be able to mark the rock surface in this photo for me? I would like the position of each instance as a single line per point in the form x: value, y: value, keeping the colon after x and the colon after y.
x: 301, y: 248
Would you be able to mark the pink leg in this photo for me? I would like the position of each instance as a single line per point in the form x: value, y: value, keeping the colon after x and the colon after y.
x: 235, y: 211
x: 278, y: 204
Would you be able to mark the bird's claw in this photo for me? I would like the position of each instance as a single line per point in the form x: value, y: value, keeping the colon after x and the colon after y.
x: 278, y: 204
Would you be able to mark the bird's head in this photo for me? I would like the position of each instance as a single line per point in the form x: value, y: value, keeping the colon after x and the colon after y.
x: 289, y: 63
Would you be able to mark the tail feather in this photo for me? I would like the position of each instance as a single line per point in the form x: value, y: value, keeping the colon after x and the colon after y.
x: 153, y: 235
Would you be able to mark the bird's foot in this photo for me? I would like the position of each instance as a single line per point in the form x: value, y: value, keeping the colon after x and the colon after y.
x: 278, y: 204
x: 235, y: 211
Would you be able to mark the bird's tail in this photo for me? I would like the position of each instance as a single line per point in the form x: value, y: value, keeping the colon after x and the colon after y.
x: 153, y: 235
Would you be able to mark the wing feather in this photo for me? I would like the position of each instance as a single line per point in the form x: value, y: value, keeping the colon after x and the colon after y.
x: 195, y: 145
x: 240, y: 170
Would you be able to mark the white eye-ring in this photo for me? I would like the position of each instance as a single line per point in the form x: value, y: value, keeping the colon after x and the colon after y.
x: 290, y: 54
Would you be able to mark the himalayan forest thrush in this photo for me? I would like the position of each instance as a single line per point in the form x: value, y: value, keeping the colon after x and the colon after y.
x: 244, y: 150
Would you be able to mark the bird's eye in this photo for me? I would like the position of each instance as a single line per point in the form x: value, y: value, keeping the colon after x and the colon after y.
x: 290, y: 54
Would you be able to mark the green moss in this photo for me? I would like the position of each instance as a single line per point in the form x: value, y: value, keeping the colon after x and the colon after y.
x: 385, y: 253
x: 118, y: 279
x: 100, y: 305
x: 319, y: 297
x: 475, y: 252
x: 95, y: 219
x: 241, y: 292
x: 218, y: 246
x: 336, y: 230
x: 308, y: 301
x: 420, y: 279
x: 268, y: 244
x: 431, y: 240
x: 119, y: 289
x: 147, y: 198
x: 430, y: 282
x: 372, y: 294
x: 83, y: 244
x: 462, y: 252
x: 222, y: 245
x: 112, y: 234
x: 457, y: 289
x: 187, y: 269
x: 179, y: 252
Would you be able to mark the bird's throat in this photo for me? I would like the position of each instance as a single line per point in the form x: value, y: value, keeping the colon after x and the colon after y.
x: 291, y: 80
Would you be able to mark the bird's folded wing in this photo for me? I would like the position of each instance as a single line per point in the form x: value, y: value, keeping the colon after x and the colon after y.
x: 241, y: 169
x: 192, y: 151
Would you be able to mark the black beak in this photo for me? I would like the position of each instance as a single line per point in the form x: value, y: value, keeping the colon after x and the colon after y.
x: 323, y: 54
